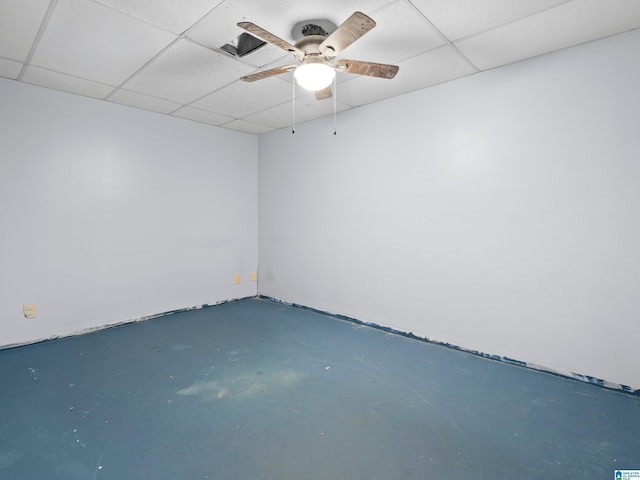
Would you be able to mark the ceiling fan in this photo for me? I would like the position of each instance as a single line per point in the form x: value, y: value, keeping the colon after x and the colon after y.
x: 317, y: 51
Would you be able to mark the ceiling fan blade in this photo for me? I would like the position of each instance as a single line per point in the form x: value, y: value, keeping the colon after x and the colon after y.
x: 351, y: 30
x: 381, y: 70
x: 324, y: 93
x: 268, y: 73
x: 262, y: 34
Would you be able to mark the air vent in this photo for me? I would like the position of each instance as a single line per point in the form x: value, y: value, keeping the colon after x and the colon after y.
x: 242, y: 45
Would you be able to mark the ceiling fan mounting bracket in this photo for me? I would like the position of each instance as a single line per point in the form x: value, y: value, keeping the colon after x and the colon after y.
x: 312, y: 29
x: 312, y: 26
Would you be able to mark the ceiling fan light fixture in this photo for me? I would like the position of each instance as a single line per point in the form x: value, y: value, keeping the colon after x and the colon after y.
x: 314, y: 76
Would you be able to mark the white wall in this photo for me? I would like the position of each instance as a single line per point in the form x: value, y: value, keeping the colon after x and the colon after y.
x: 499, y: 213
x: 110, y: 213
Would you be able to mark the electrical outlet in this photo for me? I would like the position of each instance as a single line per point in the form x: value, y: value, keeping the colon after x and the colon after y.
x: 254, y: 276
x: 236, y: 278
x: 29, y: 310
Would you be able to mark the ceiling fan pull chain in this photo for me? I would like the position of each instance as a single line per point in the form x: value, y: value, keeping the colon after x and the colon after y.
x: 335, y: 101
x: 293, y: 113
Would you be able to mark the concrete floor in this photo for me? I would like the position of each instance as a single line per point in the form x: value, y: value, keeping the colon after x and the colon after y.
x: 253, y: 389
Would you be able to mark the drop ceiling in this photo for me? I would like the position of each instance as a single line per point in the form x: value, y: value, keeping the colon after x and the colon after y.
x: 166, y: 56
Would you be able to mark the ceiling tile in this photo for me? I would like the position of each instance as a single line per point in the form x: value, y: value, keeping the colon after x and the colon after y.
x: 460, y: 18
x: 255, y: 96
x: 431, y: 68
x: 202, y: 116
x: 248, y: 127
x: 66, y: 83
x: 266, y: 56
x: 169, y: 14
x: 219, y: 28
x: 19, y: 24
x: 399, y: 34
x: 138, y: 100
x: 306, y: 108
x: 10, y: 68
x: 80, y: 40
x: 185, y: 72
x: 564, y: 26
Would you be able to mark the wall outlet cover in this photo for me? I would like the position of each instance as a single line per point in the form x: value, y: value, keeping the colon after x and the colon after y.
x: 29, y: 310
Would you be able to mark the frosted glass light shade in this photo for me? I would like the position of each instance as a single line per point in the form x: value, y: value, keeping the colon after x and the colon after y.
x: 314, y: 76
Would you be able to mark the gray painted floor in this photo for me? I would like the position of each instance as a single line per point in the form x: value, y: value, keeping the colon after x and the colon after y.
x: 257, y: 390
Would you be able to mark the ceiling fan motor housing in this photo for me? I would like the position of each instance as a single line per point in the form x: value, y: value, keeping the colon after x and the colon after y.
x: 310, y: 45
x: 312, y: 29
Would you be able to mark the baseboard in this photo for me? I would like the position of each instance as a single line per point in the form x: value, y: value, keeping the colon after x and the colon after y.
x: 498, y: 358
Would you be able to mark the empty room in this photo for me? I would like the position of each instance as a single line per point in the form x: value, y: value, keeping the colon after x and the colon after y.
x: 384, y: 239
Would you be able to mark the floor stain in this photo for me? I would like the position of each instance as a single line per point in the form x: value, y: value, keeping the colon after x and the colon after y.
x: 245, y: 385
